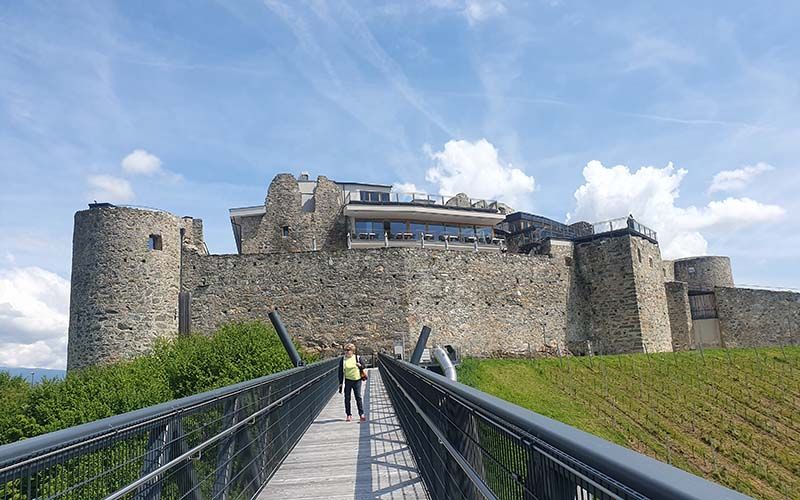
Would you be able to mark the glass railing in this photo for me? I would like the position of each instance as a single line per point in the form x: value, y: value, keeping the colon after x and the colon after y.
x: 616, y: 225
x: 422, y: 199
x: 404, y: 238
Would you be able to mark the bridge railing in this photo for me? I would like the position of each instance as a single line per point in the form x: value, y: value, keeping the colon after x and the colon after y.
x: 220, y: 444
x: 469, y: 444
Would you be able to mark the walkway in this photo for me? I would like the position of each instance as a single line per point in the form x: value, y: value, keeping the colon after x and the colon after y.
x: 339, y: 460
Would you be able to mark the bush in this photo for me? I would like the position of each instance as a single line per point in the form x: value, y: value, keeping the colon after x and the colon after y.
x: 185, y: 366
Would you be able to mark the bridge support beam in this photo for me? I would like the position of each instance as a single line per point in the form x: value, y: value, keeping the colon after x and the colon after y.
x: 421, y: 341
x: 275, y: 318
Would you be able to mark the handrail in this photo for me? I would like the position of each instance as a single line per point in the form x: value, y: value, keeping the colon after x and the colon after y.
x: 57, y: 441
x: 228, y: 440
x: 477, y: 421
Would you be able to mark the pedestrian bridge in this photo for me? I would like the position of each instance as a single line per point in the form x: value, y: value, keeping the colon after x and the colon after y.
x: 283, y: 437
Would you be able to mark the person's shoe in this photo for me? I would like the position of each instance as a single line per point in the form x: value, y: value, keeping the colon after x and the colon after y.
x: 348, y: 418
x: 362, y: 418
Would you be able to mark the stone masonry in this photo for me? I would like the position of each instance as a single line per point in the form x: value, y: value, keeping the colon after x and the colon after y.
x: 750, y: 317
x: 610, y: 293
x: 124, y: 295
x: 680, y: 315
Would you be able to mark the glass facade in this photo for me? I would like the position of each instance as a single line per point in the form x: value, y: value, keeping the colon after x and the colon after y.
x: 374, y: 196
x: 416, y: 230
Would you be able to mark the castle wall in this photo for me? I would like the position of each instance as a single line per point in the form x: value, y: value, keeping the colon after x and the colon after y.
x: 704, y: 273
x: 490, y: 303
x: 605, y: 268
x: 485, y: 303
x: 680, y: 315
x: 123, y: 295
x: 324, y: 224
x: 650, y: 295
x: 750, y: 317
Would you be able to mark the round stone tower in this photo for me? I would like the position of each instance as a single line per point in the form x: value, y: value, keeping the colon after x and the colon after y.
x: 125, y: 283
x: 704, y: 273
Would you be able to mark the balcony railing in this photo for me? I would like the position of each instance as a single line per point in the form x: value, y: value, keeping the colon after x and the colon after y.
x: 617, y: 224
x: 423, y: 240
x: 421, y: 199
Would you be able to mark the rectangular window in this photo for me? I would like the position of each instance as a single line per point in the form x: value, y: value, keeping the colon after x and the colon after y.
x: 154, y: 242
x: 285, y: 231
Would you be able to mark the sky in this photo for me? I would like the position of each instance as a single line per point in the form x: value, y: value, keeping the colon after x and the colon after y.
x: 683, y: 114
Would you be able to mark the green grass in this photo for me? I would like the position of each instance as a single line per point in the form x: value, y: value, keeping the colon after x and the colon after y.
x: 731, y: 416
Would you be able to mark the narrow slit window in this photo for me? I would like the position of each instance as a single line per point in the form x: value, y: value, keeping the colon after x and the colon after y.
x: 285, y: 231
x: 154, y: 242
x: 639, y: 252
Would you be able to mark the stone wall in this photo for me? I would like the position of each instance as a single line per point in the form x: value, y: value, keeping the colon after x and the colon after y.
x: 605, y: 270
x: 650, y: 295
x: 680, y: 315
x: 123, y: 295
x: 323, y: 226
x: 622, y: 279
x: 704, y: 273
x: 485, y: 303
x: 750, y: 317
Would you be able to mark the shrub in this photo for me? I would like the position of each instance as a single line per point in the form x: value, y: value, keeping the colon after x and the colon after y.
x: 178, y: 368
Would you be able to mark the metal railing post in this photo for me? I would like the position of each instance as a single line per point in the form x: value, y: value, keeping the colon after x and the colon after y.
x: 421, y: 341
x: 275, y: 318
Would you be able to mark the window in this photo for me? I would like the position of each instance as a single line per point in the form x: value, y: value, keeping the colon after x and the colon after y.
x: 285, y: 231
x: 154, y: 242
x: 691, y: 270
x: 639, y: 253
x: 374, y: 196
x: 651, y: 262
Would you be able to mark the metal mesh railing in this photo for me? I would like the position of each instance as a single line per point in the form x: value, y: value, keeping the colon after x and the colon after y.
x: 470, y: 445
x: 223, y: 444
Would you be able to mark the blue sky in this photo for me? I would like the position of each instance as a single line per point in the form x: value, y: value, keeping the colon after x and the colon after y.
x: 683, y: 114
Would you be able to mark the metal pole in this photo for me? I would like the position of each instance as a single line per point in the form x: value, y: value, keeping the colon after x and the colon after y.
x: 421, y: 341
x: 275, y: 318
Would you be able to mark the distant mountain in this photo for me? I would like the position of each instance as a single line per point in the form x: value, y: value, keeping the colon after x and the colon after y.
x: 38, y: 373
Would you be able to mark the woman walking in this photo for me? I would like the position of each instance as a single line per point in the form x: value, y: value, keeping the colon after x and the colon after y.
x: 350, y: 373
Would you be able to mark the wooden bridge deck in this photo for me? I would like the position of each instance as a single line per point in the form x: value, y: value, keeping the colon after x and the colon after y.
x: 340, y: 460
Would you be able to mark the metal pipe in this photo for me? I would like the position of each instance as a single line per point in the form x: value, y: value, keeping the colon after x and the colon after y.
x: 275, y: 318
x: 444, y: 361
x: 421, y: 341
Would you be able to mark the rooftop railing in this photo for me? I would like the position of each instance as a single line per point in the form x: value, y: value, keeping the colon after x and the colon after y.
x: 369, y: 239
x: 617, y: 224
x: 468, y: 444
x: 225, y: 443
x: 422, y: 199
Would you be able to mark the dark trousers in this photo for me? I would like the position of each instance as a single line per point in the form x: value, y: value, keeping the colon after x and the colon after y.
x: 355, y: 386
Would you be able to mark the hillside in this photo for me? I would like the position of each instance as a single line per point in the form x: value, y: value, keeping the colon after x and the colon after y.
x: 731, y: 416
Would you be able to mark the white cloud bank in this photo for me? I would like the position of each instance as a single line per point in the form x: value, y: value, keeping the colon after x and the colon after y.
x: 140, y: 162
x: 475, y: 168
x: 34, y: 318
x: 736, y: 180
x: 649, y: 194
x: 109, y: 188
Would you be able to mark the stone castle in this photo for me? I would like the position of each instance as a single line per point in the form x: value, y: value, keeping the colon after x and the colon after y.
x: 358, y: 262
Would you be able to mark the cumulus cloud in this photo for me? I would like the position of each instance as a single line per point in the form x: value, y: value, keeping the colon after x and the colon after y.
x: 404, y: 187
x: 34, y: 317
x: 650, y: 194
x: 475, y: 168
x: 140, y: 162
x: 736, y: 180
x: 109, y: 188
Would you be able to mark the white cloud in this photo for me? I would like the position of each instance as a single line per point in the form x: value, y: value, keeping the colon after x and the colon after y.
x: 650, y: 194
x: 404, y: 187
x: 140, y: 162
x: 736, y: 180
x: 475, y: 168
x: 477, y: 11
x: 110, y: 188
x: 34, y: 318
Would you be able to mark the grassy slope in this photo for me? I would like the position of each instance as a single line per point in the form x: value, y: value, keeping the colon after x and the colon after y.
x: 732, y: 416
